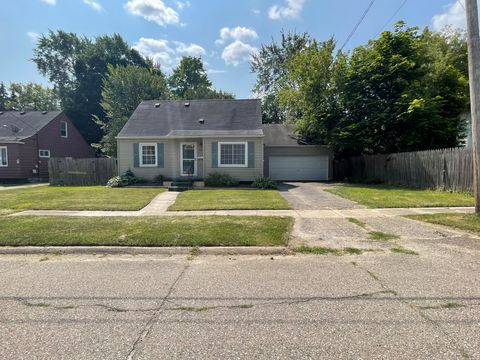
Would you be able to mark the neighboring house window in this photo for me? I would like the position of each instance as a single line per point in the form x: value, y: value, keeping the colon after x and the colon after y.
x: 148, y: 154
x: 44, y: 153
x: 3, y: 156
x: 232, y: 154
x: 63, y: 129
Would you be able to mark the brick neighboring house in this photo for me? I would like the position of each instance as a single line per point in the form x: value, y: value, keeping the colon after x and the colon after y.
x: 28, y: 139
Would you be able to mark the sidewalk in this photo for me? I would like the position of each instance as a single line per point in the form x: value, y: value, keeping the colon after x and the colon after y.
x: 160, y: 209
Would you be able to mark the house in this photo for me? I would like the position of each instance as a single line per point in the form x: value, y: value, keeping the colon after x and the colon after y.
x: 29, y: 138
x: 190, y: 139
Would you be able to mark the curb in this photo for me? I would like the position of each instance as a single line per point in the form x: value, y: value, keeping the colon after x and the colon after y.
x: 118, y: 250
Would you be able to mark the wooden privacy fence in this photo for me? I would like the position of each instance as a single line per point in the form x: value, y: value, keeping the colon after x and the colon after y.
x: 78, y: 172
x: 447, y: 169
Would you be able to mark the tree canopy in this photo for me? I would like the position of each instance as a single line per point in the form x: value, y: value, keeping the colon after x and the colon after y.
x: 29, y: 96
x: 123, y: 90
x: 189, y: 80
x: 404, y: 91
x: 76, y: 67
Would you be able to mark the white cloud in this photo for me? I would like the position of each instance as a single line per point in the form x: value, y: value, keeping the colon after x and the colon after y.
x: 214, y: 71
x: 237, y: 52
x: 237, y: 33
x: 182, y: 4
x: 158, y: 50
x: 189, y: 49
x: 153, y: 10
x: 164, y: 54
x: 33, y: 36
x: 454, y: 15
x: 256, y: 12
x: 95, y: 5
x: 50, y: 2
x: 292, y: 10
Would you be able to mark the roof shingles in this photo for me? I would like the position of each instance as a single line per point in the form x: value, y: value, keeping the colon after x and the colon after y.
x: 175, y: 118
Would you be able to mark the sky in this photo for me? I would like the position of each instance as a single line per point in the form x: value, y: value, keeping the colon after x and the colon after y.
x: 223, y: 32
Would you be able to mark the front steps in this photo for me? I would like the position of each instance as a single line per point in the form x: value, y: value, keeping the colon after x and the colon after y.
x: 181, y: 185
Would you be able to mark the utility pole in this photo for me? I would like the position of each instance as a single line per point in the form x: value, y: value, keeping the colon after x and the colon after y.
x: 471, y: 9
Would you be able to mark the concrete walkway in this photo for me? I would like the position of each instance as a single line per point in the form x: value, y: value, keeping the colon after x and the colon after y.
x: 27, y: 186
x: 160, y: 203
x: 159, y: 208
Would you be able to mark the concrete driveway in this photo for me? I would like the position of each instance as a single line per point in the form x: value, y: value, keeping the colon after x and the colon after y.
x: 312, y: 196
x: 378, y: 305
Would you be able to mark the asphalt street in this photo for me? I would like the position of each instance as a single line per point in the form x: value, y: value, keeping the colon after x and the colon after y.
x: 370, y: 306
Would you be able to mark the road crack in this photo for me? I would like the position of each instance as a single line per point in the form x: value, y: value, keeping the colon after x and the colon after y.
x: 157, y: 312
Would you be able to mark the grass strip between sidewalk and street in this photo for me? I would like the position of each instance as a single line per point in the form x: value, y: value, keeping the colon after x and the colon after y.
x: 390, y: 196
x: 465, y: 222
x: 145, y: 231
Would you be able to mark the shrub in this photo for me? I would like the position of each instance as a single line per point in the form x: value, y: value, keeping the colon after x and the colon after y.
x: 115, y: 181
x: 159, y: 179
x: 217, y: 179
x: 126, y: 179
x: 264, y: 183
x: 129, y: 177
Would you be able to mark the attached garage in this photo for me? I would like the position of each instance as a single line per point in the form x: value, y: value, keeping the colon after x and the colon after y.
x: 286, y: 159
x: 312, y: 168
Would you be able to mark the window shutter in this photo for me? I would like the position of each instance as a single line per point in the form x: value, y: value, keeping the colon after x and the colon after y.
x: 160, y: 154
x: 251, y: 154
x: 214, y: 154
x: 136, y: 155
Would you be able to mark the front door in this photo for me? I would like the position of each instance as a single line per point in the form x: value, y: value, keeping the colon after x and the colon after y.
x: 188, y: 161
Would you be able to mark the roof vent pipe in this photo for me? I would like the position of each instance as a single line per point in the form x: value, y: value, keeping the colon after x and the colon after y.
x: 187, y: 104
x: 201, y: 121
x: 157, y: 105
x: 44, y: 112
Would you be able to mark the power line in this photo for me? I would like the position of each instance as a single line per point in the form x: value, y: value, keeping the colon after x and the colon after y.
x: 461, y: 4
x: 358, y: 24
x: 394, y: 14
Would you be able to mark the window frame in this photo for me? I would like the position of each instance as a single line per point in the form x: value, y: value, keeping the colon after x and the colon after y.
x: 244, y: 165
x: 66, y: 129
x: 43, y: 156
x: 6, y: 156
x: 140, y: 154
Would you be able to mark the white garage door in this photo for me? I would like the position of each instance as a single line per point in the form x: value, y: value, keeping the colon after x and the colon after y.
x: 298, y: 167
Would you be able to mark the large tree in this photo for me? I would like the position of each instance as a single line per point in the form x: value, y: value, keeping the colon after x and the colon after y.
x: 76, y: 66
x: 31, y: 96
x: 270, y: 64
x: 189, y: 80
x: 404, y: 91
x: 310, y: 96
x: 3, y: 96
x: 123, y: 90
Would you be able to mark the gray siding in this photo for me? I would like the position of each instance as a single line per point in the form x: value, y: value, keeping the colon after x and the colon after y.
x: 241, y: 173
x: 172, y: 158
x: 306, y: 150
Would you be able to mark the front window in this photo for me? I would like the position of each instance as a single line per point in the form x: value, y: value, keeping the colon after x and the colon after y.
x: 148, y: 154
x: 63, y: 129
x: 44, y: 153
x: 232, y: 154
x: 3, y: 156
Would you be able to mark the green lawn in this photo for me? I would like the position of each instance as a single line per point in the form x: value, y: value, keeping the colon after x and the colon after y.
x: 229, y: 200
x: 389, y: 196
x: 77, y: 198
x: 468, y: 222
x: 145, y: 231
